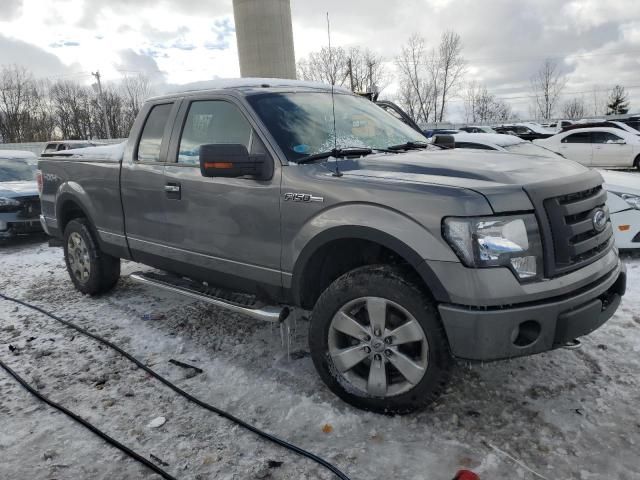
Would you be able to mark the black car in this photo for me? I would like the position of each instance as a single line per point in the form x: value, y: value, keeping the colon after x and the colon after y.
x: 522, y: 131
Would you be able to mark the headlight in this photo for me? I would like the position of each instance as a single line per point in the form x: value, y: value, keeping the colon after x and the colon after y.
x: 8, y: 204
x: 509, y: 241
x: 632, y: 200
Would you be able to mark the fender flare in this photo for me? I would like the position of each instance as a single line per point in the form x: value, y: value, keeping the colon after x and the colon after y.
x: 63, y: 198
x: 359, y: 232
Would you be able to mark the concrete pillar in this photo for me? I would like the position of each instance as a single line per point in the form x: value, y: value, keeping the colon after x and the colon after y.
x: 265, y: 38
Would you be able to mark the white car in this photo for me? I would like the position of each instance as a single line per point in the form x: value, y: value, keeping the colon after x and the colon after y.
x: 623, y: 200
x: 596, y: 147
x: 502, y: 143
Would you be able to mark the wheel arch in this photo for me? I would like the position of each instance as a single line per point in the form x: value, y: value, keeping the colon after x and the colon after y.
x: 309, y: 277
x: 68, y: 207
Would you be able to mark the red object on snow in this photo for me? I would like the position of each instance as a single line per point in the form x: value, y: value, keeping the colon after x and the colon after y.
x: 466, y: 475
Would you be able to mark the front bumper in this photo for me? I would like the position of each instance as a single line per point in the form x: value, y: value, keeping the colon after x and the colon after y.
x: 492, y: 333
x: 12, y: 225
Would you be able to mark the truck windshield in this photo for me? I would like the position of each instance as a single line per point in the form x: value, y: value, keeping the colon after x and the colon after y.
x: 12, y: 170
x: 302, y: 123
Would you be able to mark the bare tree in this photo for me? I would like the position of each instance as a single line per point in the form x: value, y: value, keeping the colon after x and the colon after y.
x: 417, y: 85
x: 484, y: 107
x: 366, y: 71
x: 599, y: 103
x: 134, y: 91
x: 547, y: 85
x: 574, y: 109
x: 326, y: 66
x: 451, y: 67
x: 24, y: 112
x: 71, y: 106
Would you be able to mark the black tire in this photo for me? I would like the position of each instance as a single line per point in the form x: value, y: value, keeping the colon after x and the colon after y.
x: 104, y: 270
x: 393, y: 284
x: 636, y: 162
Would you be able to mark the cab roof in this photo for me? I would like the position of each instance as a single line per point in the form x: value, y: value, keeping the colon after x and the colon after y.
x: 248, y: 86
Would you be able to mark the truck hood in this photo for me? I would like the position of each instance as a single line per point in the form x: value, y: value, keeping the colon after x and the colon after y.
x: 25, y: 188
x: 499, y: 176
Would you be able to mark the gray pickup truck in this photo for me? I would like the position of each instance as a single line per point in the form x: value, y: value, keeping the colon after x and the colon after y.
x: 275, y: 198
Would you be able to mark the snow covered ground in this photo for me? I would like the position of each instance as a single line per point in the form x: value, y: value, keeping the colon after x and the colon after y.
x: 564, y: 414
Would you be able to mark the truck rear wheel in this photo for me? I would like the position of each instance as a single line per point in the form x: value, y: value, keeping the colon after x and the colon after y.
x: 91, y: 270
x: 377, y: 342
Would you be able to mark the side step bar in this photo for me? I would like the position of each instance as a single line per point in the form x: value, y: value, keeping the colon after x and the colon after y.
x: 268, y: 313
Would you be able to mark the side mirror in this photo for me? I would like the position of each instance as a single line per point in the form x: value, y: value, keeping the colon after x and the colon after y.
x: 229, y: 160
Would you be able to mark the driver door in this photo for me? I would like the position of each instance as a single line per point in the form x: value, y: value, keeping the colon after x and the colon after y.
x: 223, y: 230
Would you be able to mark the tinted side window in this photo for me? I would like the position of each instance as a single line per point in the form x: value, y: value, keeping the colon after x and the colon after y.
x: 212, y: 121
x: 52, y: 147
x: 605, y: 137
x: 582, y: 137
x: 151, y: 138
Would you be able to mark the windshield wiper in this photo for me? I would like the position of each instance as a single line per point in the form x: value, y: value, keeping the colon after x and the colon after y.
x: 408, y: 146
x: 340, y: 152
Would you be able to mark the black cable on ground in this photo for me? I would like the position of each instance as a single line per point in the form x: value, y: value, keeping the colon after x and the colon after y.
x: 84, y: 423
x: 267, y: 436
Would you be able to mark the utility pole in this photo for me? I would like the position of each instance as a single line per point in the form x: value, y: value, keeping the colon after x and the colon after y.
x: 350, y: 66
x: 102, y: 103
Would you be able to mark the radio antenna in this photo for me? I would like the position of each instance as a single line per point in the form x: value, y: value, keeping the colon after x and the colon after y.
x: 333, y: 103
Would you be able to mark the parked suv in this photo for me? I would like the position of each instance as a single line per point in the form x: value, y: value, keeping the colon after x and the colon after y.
x: 277, y: 198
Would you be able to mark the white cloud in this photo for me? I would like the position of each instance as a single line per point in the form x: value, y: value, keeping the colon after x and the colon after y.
x: 186, y: 41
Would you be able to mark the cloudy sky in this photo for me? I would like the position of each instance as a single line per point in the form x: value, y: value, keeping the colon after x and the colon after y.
x: 596, y: 42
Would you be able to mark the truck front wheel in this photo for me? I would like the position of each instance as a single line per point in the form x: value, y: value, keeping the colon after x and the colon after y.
x: 377, y: 342
x: 91, y: 270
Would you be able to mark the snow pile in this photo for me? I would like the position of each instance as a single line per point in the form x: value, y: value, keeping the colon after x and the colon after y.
x: 563, y: 414
x: 103, y: 152
x: 498, y: 139
x: 16, y: 154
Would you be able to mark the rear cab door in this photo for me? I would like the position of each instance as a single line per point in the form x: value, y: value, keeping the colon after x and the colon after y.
x: 143, y: 188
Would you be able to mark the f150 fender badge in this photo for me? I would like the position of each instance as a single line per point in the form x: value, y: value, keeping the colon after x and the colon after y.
x: 301, y: 197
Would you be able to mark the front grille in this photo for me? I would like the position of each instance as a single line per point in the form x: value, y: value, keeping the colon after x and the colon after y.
x: 576, y: 242
x: 29, y: 207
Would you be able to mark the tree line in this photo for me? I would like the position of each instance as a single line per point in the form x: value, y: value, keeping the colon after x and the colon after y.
x: 42, y: 110
x: 430, y: 77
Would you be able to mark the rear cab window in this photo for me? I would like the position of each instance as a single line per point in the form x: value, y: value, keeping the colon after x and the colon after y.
x: 153, y: 132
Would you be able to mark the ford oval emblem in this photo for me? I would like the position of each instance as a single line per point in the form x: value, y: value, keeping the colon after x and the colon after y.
x: 599, y: 220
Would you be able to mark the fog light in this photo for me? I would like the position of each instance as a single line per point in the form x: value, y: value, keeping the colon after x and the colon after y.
x: 525, y: 334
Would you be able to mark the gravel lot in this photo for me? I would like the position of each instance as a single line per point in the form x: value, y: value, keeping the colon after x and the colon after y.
x: 564, y: 414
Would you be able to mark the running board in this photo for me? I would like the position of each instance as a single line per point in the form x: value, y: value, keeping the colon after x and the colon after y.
x: 267, y: 313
